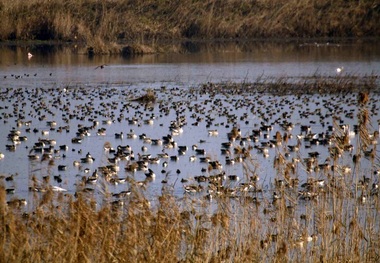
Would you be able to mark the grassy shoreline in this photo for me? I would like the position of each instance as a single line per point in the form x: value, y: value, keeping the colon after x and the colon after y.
x: 103, y: 25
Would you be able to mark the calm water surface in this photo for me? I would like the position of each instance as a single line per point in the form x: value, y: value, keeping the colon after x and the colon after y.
x: 109, y: 89
x: 196, y: 64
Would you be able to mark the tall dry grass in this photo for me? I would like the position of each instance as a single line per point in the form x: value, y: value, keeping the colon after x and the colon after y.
x: 101, y: 22
x: 333, y: 228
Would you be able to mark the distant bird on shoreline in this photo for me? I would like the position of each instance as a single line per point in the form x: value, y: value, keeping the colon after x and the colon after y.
x: 101, y: 66
x: 30, y: 55
x: 339, y: 70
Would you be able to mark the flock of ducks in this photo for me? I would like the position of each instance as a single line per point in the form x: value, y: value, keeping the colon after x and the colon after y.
x: 207, y: 142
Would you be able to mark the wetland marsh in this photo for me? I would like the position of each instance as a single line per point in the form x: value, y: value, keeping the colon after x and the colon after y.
x: 266, y: 155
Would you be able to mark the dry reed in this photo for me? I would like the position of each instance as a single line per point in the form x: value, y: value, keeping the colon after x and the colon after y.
x: 102, y: 24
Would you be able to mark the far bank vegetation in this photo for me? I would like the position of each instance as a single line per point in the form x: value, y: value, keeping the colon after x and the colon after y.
x: 104, y: 24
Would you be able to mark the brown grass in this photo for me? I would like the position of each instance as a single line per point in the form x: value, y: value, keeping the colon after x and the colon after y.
x: 185, y: 231
x: 316, y: 84
x: 102, y: 24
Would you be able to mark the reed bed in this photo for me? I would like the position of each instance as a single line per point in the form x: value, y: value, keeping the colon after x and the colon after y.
x: 333, y: 217
x: 314, y: 84
x: 103, y: 24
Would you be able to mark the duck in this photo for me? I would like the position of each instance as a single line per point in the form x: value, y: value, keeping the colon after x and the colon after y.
x: 101, y: 132
x: 88, y: 158
x: 55, y: 188
x: 200, y: 151
x: 131, y: 134
x: 132, y: 167
x: 213, y: 132
x: 101, y: 66
x: 62, y: 167
x: 163, y: 155
x: 156, y: 142
x: 17, y: 202
x: 150, y: 174
x: 192, y: 188
x: 233, y: 177
x: 33, y: 157
x: 174, y: 158
x: 154, y: 160
x: 119, y: 135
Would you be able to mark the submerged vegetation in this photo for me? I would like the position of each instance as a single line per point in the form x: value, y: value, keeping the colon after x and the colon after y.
x: 104, y: 24
x: 332, y: 217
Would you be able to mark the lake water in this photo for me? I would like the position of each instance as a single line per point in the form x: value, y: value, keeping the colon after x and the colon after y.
x: 198, y: 63
x: 61, y: 84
